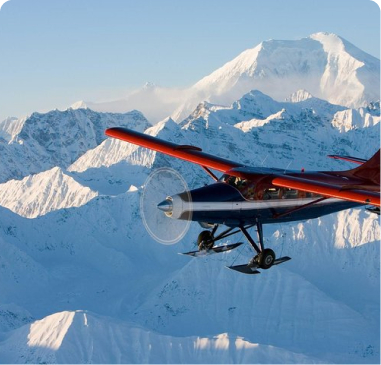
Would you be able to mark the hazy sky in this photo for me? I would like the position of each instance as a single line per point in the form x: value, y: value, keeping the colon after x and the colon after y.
x: 56, y: 52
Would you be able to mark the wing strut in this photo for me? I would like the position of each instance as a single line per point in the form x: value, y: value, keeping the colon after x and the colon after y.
x: 214, y: 177
x: 299, y: 208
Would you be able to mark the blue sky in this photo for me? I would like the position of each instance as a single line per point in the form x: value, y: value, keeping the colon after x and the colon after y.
x: 56, y: 52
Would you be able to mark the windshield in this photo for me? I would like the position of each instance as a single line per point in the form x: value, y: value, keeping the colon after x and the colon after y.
x: 245, y: 187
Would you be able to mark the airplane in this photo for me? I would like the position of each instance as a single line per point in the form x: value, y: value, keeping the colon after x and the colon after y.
x: 246, y: 196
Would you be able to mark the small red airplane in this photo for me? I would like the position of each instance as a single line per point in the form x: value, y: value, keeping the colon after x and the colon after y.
x: 252, y: 196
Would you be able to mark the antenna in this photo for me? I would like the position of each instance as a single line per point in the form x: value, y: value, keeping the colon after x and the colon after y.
x: 264, y: 160
x: 288, y: 166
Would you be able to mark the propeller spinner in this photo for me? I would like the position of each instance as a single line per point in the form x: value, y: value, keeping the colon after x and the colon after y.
x: 156, y: 212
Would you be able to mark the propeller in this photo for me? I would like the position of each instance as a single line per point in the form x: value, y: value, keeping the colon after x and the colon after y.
x: 164, y: 198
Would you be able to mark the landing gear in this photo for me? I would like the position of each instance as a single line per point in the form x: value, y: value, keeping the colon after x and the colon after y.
x: 264, y: 259
x: 205, y: 240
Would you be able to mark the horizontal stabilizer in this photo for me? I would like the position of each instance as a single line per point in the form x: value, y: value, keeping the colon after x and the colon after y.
x: 375, y: 210
x: 357, y: 160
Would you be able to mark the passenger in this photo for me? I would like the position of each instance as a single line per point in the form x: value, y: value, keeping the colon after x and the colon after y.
x: 266, y: 195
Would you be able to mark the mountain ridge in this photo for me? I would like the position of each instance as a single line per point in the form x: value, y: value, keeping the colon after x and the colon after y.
x: 57, y: 138
x: 86, y: 283
x: 324, y: 64
x: 320, y: 64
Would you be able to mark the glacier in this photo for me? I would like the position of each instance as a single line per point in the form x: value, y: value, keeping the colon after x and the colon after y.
x: 81, y: 281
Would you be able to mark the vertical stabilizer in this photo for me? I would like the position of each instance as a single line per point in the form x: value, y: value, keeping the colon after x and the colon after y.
x: 369, y: 170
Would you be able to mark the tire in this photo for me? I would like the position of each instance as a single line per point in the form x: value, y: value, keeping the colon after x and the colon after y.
x: 205, y: 240
x: 267, y: 258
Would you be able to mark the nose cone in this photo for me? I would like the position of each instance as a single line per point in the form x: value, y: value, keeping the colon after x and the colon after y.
x: 175, y: 207
x: 166, y: 206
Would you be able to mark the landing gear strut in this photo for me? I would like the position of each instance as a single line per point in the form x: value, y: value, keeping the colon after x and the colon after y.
x: 265, y: 257
x: 206, y: 241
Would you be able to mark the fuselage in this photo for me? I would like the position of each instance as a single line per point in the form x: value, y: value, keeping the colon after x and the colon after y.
x: 235, y: 201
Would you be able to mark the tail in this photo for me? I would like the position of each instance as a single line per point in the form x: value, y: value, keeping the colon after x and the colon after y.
x: 369, y: 171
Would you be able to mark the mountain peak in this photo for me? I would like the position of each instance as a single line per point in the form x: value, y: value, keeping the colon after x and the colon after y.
x: 149, y: 85
x: 332, y: 43
x: 299, y: 95
x: 325, y: 35
x: 327, y: 65
x: 79, y: 105
x: 60, y: 191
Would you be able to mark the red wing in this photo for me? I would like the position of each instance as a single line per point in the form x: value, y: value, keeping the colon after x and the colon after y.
x: 329, y: 190
x: 184, y: 152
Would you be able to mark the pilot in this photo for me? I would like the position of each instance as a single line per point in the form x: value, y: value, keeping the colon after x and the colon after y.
x: 231, y: 180
x: 259, y: 195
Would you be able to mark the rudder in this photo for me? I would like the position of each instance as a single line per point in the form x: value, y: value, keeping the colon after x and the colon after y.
x: 369, y: 170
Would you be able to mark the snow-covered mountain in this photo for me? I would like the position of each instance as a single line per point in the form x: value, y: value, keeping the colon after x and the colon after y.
x: 82, y: 281
x: 43, y: 141
x: 55, y: 340
x: 36, y: 195
x: 321, y: 307
x: 326, y: 65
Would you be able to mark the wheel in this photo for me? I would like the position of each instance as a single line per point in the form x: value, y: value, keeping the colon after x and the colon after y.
x: 205, y: 240
x: 267, y: 258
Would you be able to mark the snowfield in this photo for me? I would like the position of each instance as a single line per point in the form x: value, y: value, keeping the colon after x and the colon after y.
x: 81, y: 281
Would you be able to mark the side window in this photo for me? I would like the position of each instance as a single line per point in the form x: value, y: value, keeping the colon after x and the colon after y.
x: 251, y: 191
x: 271, y: 193
x: 248, y: 190
x: 290, y: 193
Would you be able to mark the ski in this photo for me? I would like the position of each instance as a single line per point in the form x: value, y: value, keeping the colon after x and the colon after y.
x: 245, y: 269
x: 252, y: 267
x: 213, y: 250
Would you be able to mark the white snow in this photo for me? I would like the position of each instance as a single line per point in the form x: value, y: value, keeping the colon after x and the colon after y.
x: 299, y: 95
x: 10, y: 127
x: 255, y: 123
x: 81, y: 281
x: 54, y: 339
x: 47, y: 191
x: 43, y: 141
x: 79, y: 105
x: 324, y: 64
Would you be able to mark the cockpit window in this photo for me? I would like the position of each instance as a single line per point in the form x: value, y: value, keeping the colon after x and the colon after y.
x: 237, y: 182
x: 245, y: 187
x: 271, y: 193
x: 250, y: 191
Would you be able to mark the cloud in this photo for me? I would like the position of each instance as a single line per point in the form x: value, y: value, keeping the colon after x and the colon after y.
x: 2, y: 2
